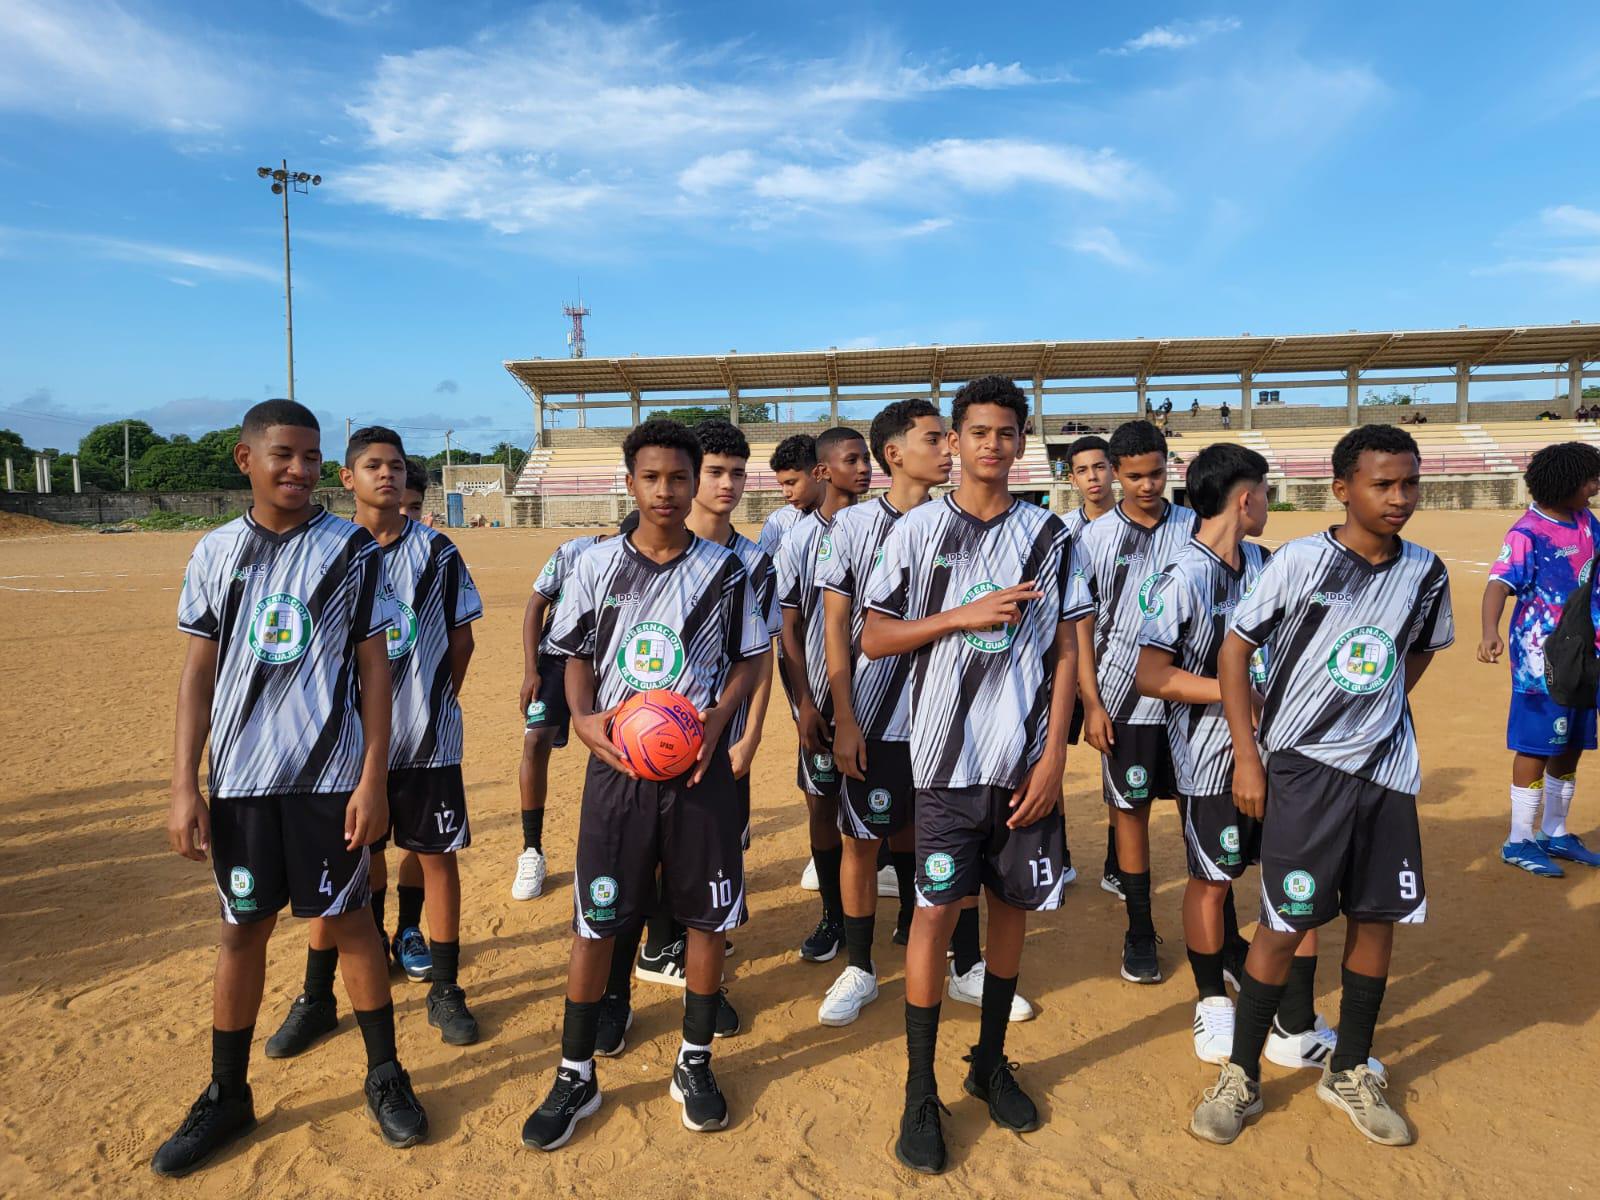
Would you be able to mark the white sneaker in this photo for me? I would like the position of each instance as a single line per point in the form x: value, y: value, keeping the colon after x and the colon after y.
x: 968, y: 989
x: 529, y: 882
x: 853, y: 990
x: 1213, y: 1029
x: 1310, y: 1049
x: 808, y: 877
x: 888, y: 882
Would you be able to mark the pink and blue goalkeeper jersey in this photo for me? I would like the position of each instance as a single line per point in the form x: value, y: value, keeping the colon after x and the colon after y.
x: 1541, y: 562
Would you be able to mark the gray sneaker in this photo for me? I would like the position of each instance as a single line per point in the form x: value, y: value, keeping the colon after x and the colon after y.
x: 1223, y: 1110
x: 1359, y: 1092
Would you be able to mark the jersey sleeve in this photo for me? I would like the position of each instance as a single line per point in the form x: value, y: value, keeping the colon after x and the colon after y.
x: 1515, y: 565
x: 749, y: 634
x: 834, y: 573
x: 572, y: 633
x: 788, y: 564
x: 548, y: 582
x: 888, y: 587
x: 1077, y: 598
x: 771, y: 536
x: 1263, y: 607
x: 1436, y: 629
x: 199, y: 604
x: 1166, y: 613
x: 373, y: 609
x: 766, y: 585
x: 462, y: 603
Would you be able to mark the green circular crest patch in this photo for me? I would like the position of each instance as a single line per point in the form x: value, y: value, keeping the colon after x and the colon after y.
x: 651, y: 656
x: 280, y: 628
x: 1363, y: 660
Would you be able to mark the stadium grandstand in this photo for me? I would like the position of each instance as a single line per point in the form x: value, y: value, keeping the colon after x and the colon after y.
x: 1471, y: 440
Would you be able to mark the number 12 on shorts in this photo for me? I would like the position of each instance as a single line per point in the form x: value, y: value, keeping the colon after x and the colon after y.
x: 445, y: 818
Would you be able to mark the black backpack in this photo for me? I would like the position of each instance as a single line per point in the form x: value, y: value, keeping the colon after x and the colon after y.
x: 1571, y: 666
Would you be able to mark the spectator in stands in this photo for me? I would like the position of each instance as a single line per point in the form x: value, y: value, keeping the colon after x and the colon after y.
x: 1194, y: 407
x: 1227, y: 416
x: 1166, y: 407
x: 1547, y: 415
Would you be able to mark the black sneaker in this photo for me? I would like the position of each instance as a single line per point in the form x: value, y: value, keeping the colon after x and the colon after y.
x: 727, y: 1016
x: 616, y: 1018
x: 571, y: 1099
x: 1112, y: 882
x: 306, y: 1021
x: 1139, y: 962
x: 449, y: 1014
x: 394, y: 1107
x: 695, y: 1087
x: 1009, y: 1106
x: 213, y: 1121
x: 664, y: 966
x: 824, y: 941
x: 921, y: 1144
x: 1233, y: 963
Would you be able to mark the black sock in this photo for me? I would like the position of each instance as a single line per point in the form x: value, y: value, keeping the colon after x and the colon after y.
x: 230, y: 1058
x: 828, y: 881
x: 410, y: 913
x: 378, y: 895
x: 446, y: 961
x: 1358, y: 1019
x: 1136, y: 887
x: 965, y: 941
x: 991, y: 1048
x: 1111, y: 850
x: 883, y: 856
x: 1297, y: 1011
x: 905, y: 877
x: 533, y: 829
x: 699, y: 1017
x: 623, y: 951
x: 922, y: 1035
x: 1207, y: 973
x: 858, y: 940
x: 580, y: 1026
x: 1230, y: 922
x: 1252, y: 1020
x: 320, y: 965
x: 377, y: 1031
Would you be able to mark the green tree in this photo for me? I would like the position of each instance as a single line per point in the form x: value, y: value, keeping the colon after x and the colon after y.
x: 1393, y: 396
x: 510, y: 455
x: 13, y: 447
x: 100, y: 452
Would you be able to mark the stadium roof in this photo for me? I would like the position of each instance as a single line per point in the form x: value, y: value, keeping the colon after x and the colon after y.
x: 1134, y: 358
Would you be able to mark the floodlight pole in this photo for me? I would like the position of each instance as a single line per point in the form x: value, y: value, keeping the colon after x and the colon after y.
x: 283, y: 183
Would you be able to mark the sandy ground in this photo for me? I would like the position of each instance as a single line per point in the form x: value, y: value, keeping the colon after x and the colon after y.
x: 1491, y: 1029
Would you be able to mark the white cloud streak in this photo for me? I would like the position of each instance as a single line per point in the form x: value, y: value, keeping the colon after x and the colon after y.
x: 1099, y: 242
x: 1179, y: 35
x: 155, y: 254
x: 350, y: 12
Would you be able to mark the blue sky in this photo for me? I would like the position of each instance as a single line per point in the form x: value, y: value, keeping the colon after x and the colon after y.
x: 754, y: 177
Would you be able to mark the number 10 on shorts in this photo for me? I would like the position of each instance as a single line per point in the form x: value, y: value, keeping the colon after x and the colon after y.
x: 721, y: 892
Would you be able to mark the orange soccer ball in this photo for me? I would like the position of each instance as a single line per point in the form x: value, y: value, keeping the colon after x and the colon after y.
x: 658, y: 733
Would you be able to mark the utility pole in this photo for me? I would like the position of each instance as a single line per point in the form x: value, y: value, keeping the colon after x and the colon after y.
x: 347, y: 431
x: 284, y: 182
x: 127, y: 463
x: 447, y: 434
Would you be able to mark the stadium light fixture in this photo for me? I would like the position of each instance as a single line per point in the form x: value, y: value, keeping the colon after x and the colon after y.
x: 283, y: 182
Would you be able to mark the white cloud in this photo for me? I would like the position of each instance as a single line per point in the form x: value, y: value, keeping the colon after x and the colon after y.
x: 712, y: 172
x: 1179, y: 35
x: 1099, y: 242
x: 1563, y: 244
x: 92, y: 58
x: 156, y: 254
x: 1570, y: 219
x: 350, y: 12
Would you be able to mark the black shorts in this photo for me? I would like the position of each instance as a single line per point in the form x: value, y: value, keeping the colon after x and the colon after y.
x: 963, y: 844
x: 549, y: 708
x: 1139, y: 767
x: 1219, y: 841
x: 817, y: 774
x: 269, y: 851
x: 882, y: 803
x: 428, y: 809
x: 1075, y: 730
x: 741, y: 787
x: 1333, y: 843
x: 629, y: 827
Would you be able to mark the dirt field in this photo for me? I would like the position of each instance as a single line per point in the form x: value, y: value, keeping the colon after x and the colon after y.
x: 1490, y: 1030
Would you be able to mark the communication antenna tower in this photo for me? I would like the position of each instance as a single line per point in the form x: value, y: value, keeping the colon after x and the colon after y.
x: 576, y: 344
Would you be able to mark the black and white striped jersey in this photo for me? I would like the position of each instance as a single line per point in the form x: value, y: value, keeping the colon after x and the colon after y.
x: 1338, y: 630
x: 553, y: 577
x: 805, y: 548
x: 287, y: 611
x: 433, y: 594
x: 878, y: 693
x: 764, y: 577
x: 776, y: 527
x: 1187, y: 614
x: 1076, y: 521
x: 1119, y: 561
x: 679, y: 625
x: 980, y: 699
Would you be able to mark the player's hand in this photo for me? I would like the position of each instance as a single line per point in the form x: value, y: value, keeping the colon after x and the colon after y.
x: 592, y: 731
x: 1098, y: 730
x: 742, y: 754
x: 1491, y: 648
x: 813, y: 729
x: 713, y: 720
x: 994, y: 609
x: 189, y: 824
x: 1250, y: 785
x: 850, y: 749
x: 1039, y: 794
x: 530, y: 689
x: 366, y: 817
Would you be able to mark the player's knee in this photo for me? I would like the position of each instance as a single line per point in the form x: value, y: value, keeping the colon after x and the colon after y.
x: 252, y: 935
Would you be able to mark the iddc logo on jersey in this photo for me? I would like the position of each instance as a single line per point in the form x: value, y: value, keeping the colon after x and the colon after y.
x: 650, y: 656
x: 878, y: 802
x: 997, y: 638
x: 1299, y: 887
x: 280, y: 628
x: 1363, y: 660
x: 1150, y: 602
x: 940, y: 869
x: 403, y: 633
x: 603, y: 895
